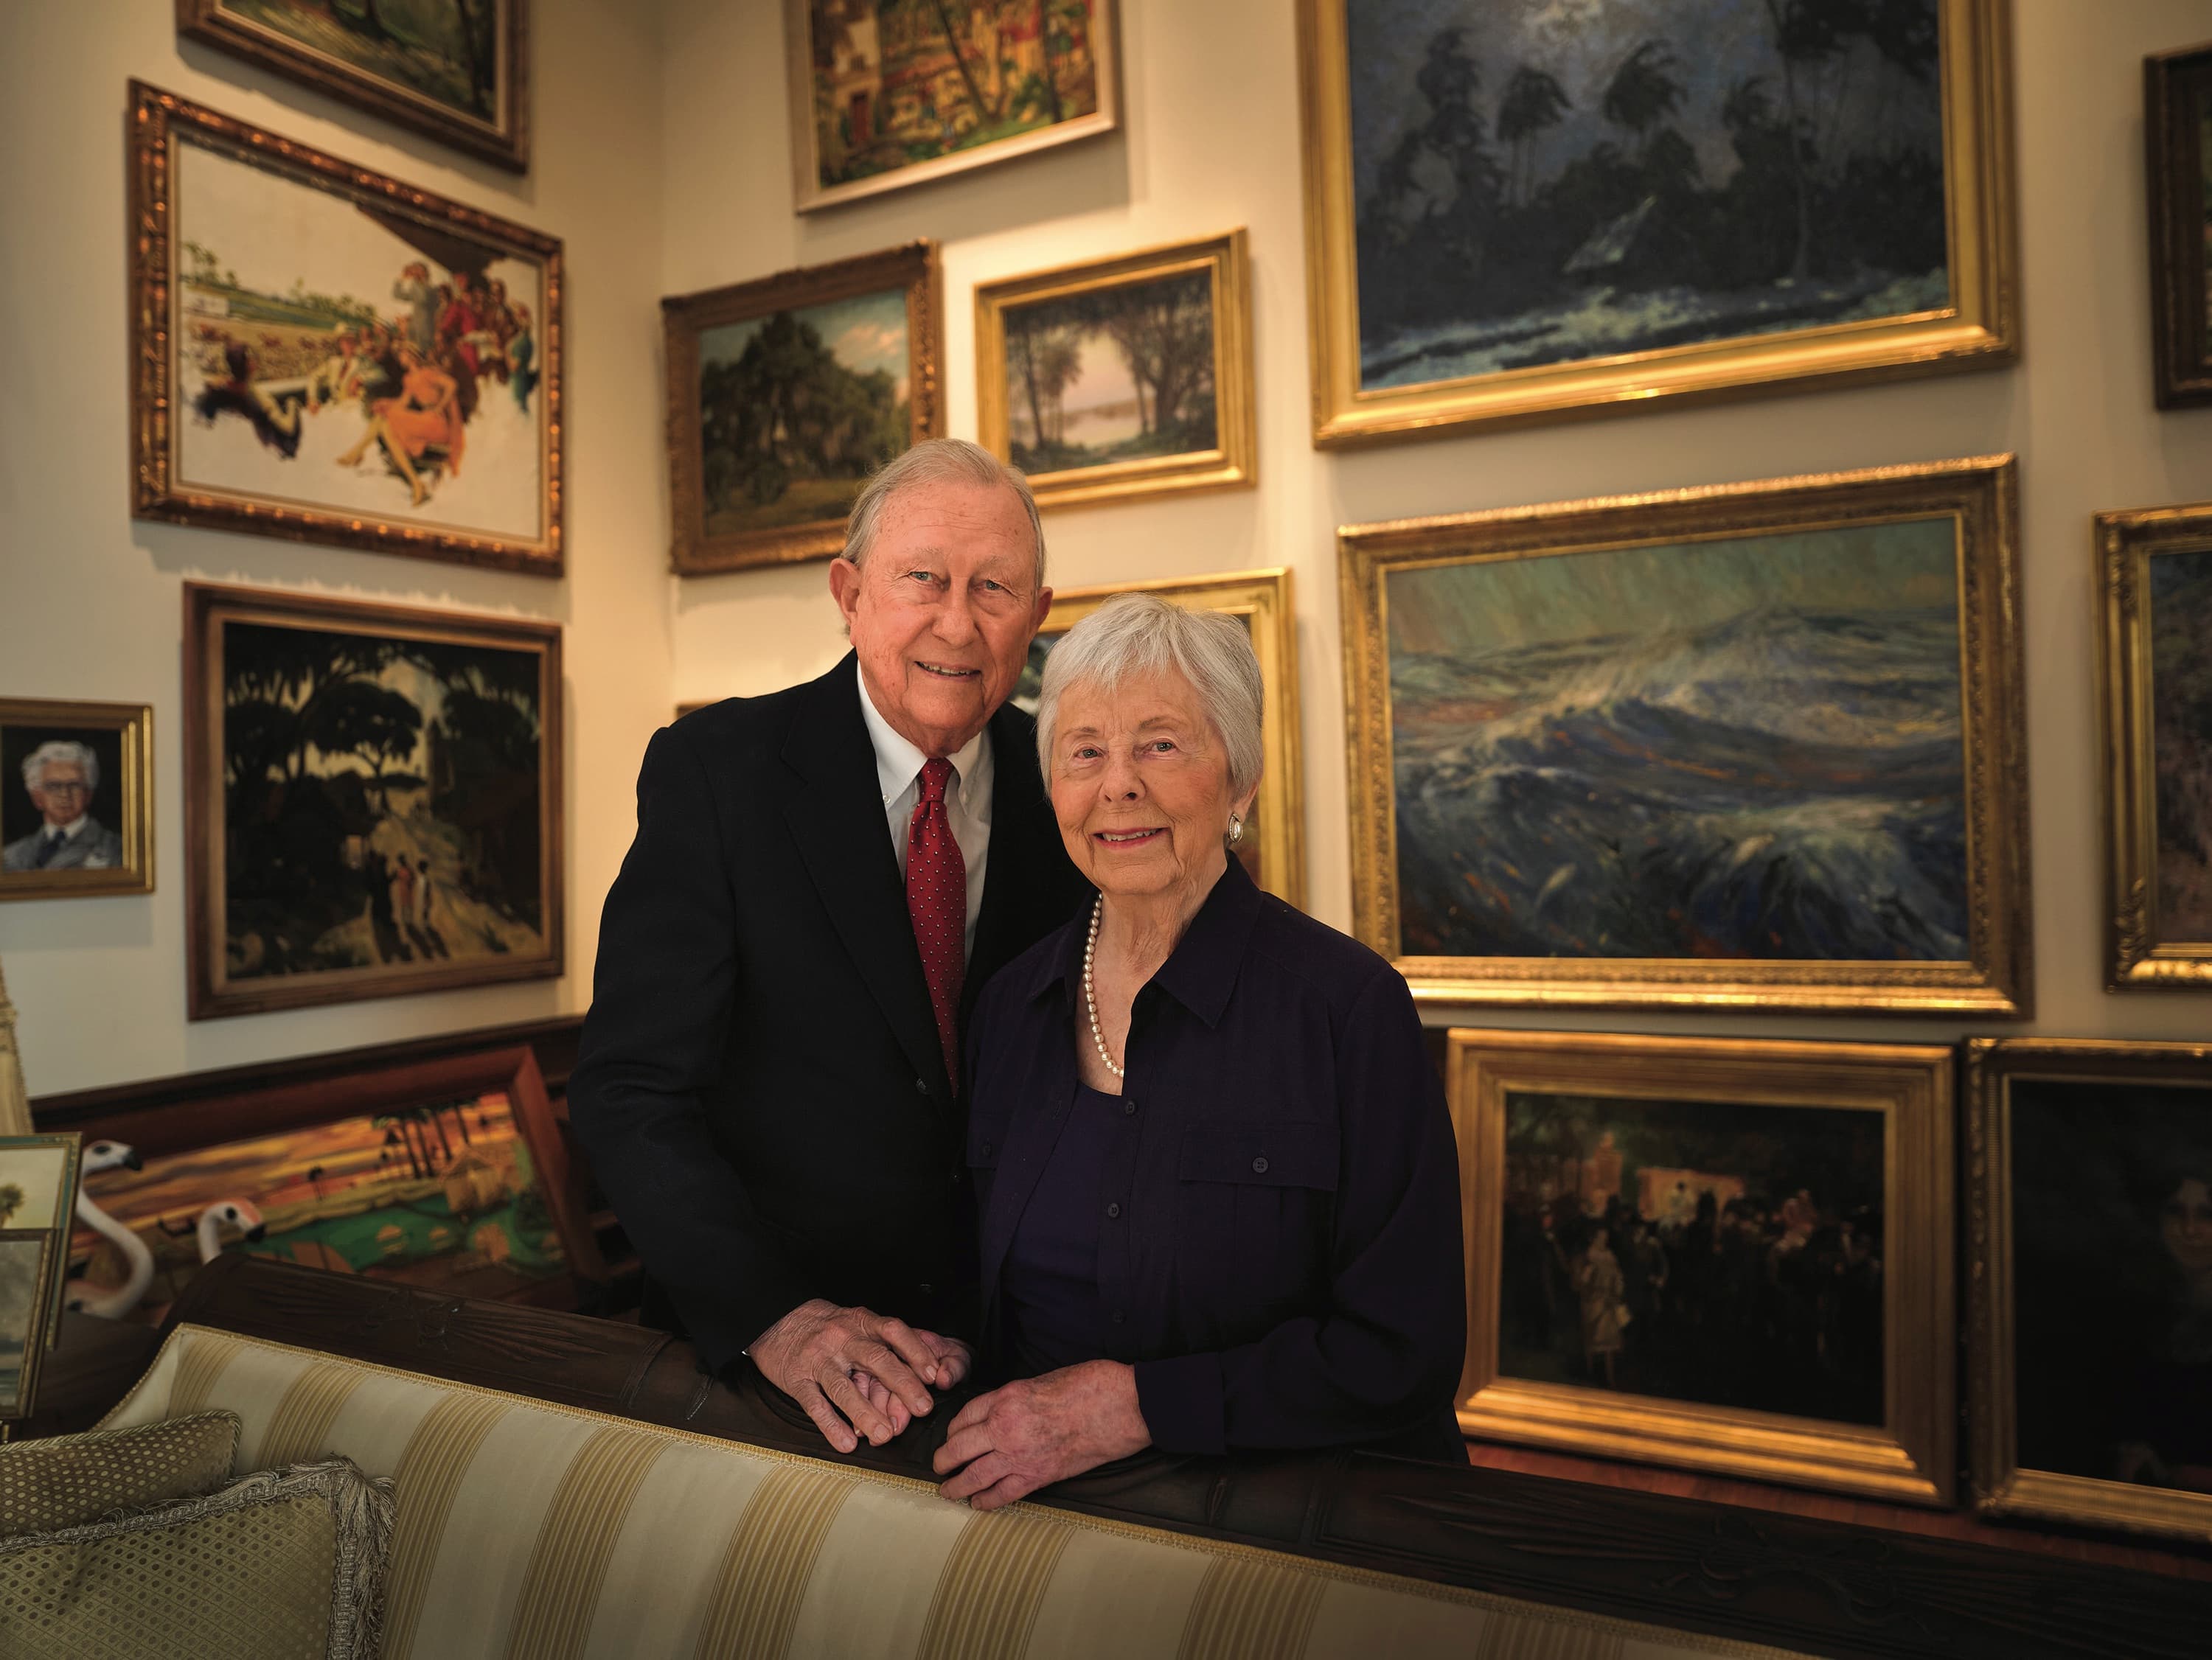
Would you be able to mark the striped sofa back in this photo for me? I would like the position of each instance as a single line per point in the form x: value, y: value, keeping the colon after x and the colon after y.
x: 541, y: 1532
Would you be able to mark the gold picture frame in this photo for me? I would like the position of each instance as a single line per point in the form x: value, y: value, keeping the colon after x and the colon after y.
x: 2095, y: 1327
x: 27, y: 723
x: 44, y: 1171
x: 762, y: 526
x: 1978, y: 328
x: 1076, y: 294
x: 1906, y: 1455
x: 1781, y: 560
x: 2157, y: 936
x: 847, y: 91
x: 1275, y: 855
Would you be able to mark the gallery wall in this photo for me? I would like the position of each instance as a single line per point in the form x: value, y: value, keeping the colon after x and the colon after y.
x: 89, y: 598
x: 1211, y: 142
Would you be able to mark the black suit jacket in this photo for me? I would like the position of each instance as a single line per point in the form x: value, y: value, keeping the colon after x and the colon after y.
x: 760, y: 1090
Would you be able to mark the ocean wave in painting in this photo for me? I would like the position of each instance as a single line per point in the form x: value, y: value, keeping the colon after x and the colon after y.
x: 1785, y: 784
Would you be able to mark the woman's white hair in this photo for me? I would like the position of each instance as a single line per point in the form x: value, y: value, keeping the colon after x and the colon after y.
x: 936, y: 461
x: 1142, y: 633
x: 34, y: 764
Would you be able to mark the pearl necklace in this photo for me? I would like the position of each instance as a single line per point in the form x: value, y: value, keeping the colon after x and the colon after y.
x: 1090, y: 998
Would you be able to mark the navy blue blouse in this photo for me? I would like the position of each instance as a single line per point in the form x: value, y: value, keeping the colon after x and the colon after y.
x: 1277, y: 1222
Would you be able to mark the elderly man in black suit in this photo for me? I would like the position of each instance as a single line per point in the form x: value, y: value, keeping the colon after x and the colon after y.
x: 822, y: 881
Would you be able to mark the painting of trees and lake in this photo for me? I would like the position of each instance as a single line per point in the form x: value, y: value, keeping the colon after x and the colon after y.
x: 1540, y: 184
x: 1748, y: 747
x: 2181, y: 737
x: 446, y: 52
x: 1119, y: 374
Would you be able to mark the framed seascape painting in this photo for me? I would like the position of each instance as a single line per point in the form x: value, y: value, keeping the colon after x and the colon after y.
x: 1125, y: 378
x: 77, y: 798
x: 26, y: 1259
x: 1731, y: 1256
x: 457, y: 70
x: 325, y: 354
x: 374, y: 800
x: 2177, y: 140
x: 2155, y: 651
x: 786, y: 392
x: 2089, y: 1235
x: 38, y: 1190
x: 1518, y: 212
x: 890, y: 92
x: 1273, y: 847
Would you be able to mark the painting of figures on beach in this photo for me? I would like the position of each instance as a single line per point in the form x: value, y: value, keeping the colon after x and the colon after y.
x: 907, y: 89
x: 1720, y: 1253
x: 446, y: 1196
x: 1537, y: 184
x: 1122, y: 373
x: 2181, y: 737
x: 1749, y: 748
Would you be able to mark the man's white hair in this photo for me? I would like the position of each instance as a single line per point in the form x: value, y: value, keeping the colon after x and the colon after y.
x: 35, y: 763
x: 1142, y: 633
x: 936, y: 461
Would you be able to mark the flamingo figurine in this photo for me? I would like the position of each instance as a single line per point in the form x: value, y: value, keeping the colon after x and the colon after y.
x: 236, y: 1213
x: 115, y: 1304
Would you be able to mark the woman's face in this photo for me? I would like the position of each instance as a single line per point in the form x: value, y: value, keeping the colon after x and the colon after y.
x: 2185, y: 1226
x: 1140, y: 785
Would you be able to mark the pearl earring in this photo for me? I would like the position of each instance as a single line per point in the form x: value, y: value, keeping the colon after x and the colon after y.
x: 1236, y: 829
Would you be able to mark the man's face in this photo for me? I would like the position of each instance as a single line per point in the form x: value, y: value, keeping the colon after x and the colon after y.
x: 62, y: 793
x: 942, y: 613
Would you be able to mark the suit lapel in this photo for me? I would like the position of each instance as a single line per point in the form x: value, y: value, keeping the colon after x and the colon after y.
x: 1024, y: 838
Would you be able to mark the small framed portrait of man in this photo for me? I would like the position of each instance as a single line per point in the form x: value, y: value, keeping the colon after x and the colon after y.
x: 76, y: 799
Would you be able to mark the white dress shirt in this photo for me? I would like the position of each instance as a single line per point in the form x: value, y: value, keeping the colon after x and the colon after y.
x: 966, y: 797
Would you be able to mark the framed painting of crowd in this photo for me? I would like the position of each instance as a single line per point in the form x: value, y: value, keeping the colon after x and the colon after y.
x: 786, y: 392
x: 1514, y: 217
x: 886, y: 93
x: 1272, y: 848
x: 2155, y: 649
x: 2177, y: 141
x: 328, y: 355
x: 1122, y: 379
x: 456, y: 70
x: 76, y: 799
x: 1734, y: 1256
x: 374, y: 800
x: 1752, y: 746
x: 2089, y: 1234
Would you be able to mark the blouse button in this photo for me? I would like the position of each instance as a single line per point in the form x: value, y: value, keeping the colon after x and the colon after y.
x: 1114, y: 1209
x: 1129, y: 1108
x: 1258, y: 1167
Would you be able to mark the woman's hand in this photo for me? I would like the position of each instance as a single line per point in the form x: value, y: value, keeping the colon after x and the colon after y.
x: 953, y: 1360
x: 1029, y: 1434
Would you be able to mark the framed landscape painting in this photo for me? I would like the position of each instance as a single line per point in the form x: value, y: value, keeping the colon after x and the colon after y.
x: 457, y: 70
x: 1515, y: 212
x: 1273, y: 847
x: 374, y: 800
x: 37, y: 1190
x: 1758, y: 746
x: 1731, y: 1256
x: 786, y: 392
x: 2156, y: 650
x: 2178, y: 142
x: 76, y: 799
x: 890, y: 92
x: 1124, y: 378
x: 2089, y: 1234
x: 328, y: 355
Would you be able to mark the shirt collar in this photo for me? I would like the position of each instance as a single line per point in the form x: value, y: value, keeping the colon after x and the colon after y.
x: 898, y: 762
x: 67, y: 831
x: 1201, y: 971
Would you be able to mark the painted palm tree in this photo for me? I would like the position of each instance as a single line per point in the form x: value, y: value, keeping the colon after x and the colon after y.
x: 1531, y: 105
x: 1644, y: 92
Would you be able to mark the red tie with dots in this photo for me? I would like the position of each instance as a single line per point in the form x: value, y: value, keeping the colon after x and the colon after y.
x: 937, y: 899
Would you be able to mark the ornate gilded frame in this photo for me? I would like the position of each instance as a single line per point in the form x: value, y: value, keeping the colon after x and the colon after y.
x: 505, y: 141
x: 2177, y: 98
x: 1978, y: 494
x: 808, y: 191
x: 1980, y: 329
x: 135, y: 721
x: 914, y: 267
x: 2138, y: 955
x: 1910, y: 1458
x: 2002, y: 1487
x: 1234, y: 459
x: 1263, y: 597
x: 158, y: 121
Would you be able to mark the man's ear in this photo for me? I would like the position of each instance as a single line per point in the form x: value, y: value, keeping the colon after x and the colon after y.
x: 845, y: 587
x: 1043, y: 610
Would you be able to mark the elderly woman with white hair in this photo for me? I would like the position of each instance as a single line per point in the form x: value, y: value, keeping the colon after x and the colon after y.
x: 1219, y: 1192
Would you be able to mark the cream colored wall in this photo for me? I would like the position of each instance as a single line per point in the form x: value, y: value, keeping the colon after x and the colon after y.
x: 89, y: 605
x: 1211, y: 142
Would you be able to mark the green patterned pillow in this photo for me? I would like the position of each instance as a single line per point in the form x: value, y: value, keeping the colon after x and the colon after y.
x: 66, y: 1481
x: 287, y: 1565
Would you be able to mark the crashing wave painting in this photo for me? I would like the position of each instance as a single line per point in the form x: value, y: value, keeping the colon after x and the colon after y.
x: 1747, y: 748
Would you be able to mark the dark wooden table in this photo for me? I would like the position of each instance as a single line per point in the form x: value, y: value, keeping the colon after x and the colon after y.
x: 88, y: 1372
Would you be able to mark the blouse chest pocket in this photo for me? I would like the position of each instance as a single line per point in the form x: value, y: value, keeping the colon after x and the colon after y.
x: 1256, y: 1207
x: 1264, y: 1154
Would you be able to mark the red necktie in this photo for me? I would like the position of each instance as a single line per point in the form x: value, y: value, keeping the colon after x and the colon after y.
x: 937, y: 899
